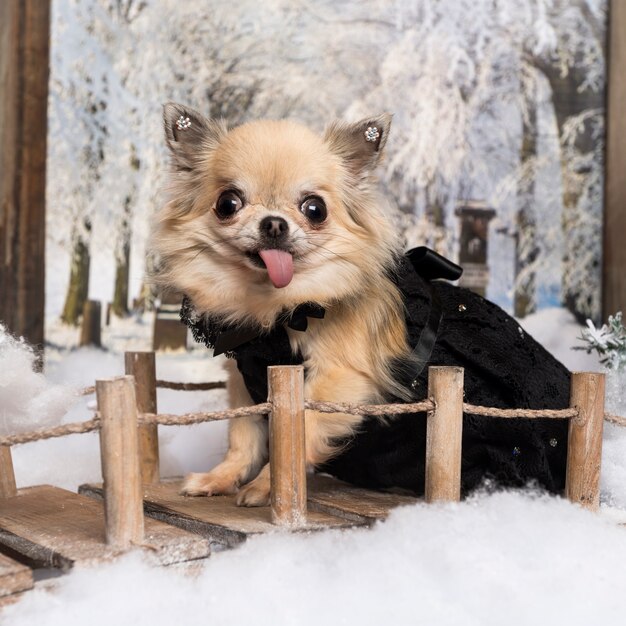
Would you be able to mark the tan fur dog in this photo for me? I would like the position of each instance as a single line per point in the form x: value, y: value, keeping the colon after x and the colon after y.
x: 263, y: 218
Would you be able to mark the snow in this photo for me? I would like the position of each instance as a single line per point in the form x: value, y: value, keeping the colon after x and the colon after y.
x: 556, y: 329
x: 496, y: 559
x: 71, y: 461
x: 27, y: 399
x: 499, y: 557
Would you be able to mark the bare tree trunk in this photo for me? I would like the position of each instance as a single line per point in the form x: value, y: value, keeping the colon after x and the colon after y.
x: 119, y: 306
x: 526, y: 251
x: 78, y: 287
x: 24, y: 61
x: 614, y: 257
x: 578, y: 102
x: 570, y: 100
x: 147, y: 292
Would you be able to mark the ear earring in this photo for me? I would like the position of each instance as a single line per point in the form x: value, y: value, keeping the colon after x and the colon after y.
x: 371, y: 134
x: 182, y: 123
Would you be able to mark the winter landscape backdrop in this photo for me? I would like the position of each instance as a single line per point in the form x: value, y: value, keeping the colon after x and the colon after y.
x: 498, y: 106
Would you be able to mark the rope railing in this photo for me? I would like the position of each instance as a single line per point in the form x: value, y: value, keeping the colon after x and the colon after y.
x: 369, y: 409
x: 429, y: 405
x: 186, y: 419
x: 168, y: 384
x: 615, y: 419
x: 487, y: 411
x: 127, y: 412
x: 74, y: 428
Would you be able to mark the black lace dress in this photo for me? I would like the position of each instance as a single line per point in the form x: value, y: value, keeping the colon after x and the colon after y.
x: 504, y: 367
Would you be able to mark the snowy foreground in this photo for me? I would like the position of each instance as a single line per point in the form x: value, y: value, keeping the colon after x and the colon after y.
x: 503, y: 558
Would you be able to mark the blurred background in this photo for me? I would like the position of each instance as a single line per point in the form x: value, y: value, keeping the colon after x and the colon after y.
x: 495, y: 159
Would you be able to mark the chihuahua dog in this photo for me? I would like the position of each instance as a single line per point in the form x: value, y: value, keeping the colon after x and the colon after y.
x: 264, y: 218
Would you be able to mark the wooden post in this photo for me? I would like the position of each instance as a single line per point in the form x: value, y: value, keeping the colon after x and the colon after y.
x: 24, y: 63
x: 287, y: 445
x: 584, y: 447
x: 90, y: 329
x: 141, y: 366
x: 8, y: 487
x: 613, y: 249
x: 443, y: 434
x: 119, y: 452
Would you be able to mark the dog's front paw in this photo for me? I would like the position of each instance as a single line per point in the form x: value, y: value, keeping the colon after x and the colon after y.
x: 256, y: 493
x: 209, y: 484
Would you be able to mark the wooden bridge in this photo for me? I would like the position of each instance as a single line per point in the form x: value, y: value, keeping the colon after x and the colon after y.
x: 45, y: 526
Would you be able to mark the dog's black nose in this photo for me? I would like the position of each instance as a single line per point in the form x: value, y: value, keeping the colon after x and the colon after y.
x: 274, y: 227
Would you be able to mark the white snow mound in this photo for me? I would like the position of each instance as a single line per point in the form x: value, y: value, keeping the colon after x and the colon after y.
x: 507, y: 558
x: 27, y: 399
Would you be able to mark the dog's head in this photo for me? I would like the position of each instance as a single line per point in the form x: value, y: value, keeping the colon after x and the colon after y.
x: 269, y: 214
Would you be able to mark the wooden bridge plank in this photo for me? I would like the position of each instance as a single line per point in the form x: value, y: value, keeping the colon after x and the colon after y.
x: 352, y: 503
x: 332, y: 504
x: 58, y: 528
x: 14, y: 577
x: 217, y: 518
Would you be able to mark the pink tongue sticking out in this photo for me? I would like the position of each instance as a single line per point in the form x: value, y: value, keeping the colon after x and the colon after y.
x: 279, y: 266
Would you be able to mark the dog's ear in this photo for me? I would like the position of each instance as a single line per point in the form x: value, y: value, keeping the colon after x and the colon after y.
x: 359, y: 144
x: 189, y: 135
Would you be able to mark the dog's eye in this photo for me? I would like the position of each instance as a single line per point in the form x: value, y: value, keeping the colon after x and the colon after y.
x: 228, y: 204
x: 314, y: 209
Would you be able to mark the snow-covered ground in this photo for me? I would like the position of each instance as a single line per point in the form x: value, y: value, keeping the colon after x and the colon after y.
x: 514, y: 558
x: 504, y: 559
x: 73, y: 460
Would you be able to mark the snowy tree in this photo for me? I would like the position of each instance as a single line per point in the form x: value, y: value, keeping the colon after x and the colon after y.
x: 77, y: 133
x: 468, y: 106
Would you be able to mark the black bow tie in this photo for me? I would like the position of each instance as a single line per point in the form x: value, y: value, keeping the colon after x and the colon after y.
x: 231, y: 338
x: 223, y: 338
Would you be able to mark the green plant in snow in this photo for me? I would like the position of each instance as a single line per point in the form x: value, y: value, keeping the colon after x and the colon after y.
x: 609, y: 341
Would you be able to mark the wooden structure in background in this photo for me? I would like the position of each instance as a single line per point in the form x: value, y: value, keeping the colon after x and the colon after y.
x: 614, y: 257
x: 91, y: 326
x: 169, y: 332
x: 24, y: 61
x: 474, y: 217
x: 24, y: 69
